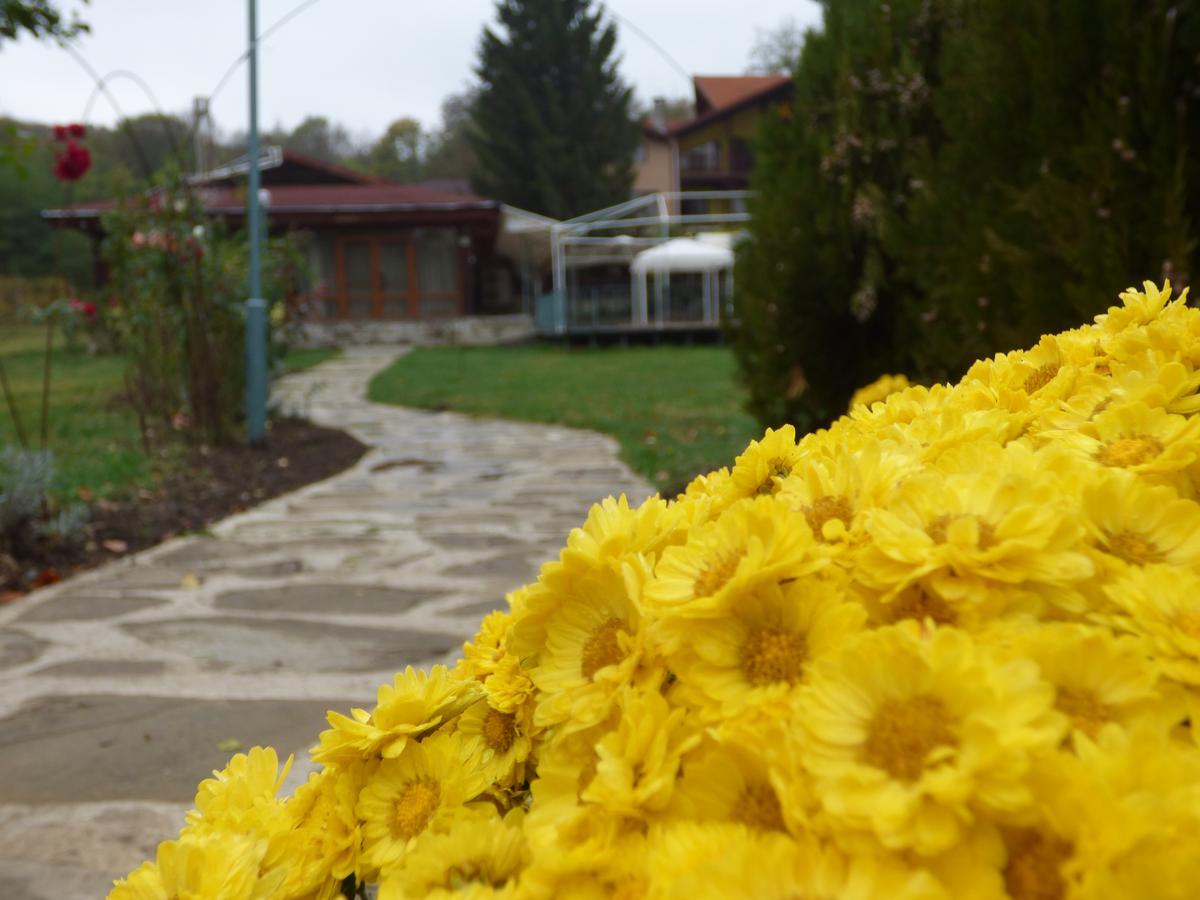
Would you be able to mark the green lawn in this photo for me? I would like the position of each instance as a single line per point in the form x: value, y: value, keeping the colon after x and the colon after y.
x: 94, y: 435
x: 298, y: 359
x: 676, y: 411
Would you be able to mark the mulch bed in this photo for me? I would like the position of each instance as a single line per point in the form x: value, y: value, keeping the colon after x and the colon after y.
x: 210, y: 484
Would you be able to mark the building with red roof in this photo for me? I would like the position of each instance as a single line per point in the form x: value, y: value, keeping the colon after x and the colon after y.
x: 379, y: 251
x: 711, y: 150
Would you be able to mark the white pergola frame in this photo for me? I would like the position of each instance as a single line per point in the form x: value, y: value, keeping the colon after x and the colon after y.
x: 604, y: 237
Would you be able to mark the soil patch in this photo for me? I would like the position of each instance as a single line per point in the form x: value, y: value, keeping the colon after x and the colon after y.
x: 210, y: 484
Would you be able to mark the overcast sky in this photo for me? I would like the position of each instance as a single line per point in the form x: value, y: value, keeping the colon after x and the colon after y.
x: 360, y: 62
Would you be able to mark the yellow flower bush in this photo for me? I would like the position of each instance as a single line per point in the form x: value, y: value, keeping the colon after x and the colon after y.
x: 947, y: 648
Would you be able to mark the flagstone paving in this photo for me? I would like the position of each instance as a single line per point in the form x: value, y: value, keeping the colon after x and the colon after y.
x: 123, y: 687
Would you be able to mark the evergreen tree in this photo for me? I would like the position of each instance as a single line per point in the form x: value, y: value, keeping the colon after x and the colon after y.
x: 553, y: 128
x: 960, y: 177
x: 819, y: 291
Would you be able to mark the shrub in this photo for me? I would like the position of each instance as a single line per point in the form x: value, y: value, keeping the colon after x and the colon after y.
x: 179, y: 285
x: 957, y: 178
x: 27, y: 513
x: 947, y: 648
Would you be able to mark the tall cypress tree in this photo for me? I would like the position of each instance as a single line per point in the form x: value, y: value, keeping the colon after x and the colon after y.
x: 553, y: 128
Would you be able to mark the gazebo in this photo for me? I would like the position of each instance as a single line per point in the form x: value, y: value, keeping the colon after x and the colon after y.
x: 707, y: 258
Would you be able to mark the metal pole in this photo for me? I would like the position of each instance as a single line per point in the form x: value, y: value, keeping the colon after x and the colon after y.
x: 256, y: 306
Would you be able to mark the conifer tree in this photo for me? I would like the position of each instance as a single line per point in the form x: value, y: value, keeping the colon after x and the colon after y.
x: 552, y: 125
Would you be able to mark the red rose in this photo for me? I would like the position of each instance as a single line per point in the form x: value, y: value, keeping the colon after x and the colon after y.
x: 89, y: 309
x: 76, y: 130
x: 73, y: 163
x: 61, y: 132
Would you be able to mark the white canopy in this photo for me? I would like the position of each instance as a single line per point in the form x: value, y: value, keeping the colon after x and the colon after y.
x: 682, y: 255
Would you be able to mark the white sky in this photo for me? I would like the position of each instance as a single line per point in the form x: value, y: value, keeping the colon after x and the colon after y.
x: 361, y: 62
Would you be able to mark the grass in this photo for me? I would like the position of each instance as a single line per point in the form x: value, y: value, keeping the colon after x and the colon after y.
x: 93, y: 435
x: 676, y: 411
x: 298, y: 359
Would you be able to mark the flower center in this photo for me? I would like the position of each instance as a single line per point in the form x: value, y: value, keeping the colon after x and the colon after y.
x: 904, y: 732
x: 416, y: 806
x: 1130, y: 451
x: 1083, y: 709
x: 917, y: 603
x: 717, y: 574
x: 758, y: 807
x: 499, y: 730
x: 776, y: 468
x: 1034, y: 868
x: 939, y: 530
x: 467, y: 874
x: 603, y: 648
x: 770, y: 656
x: 1133, y: 548
x: 1040, y: 377
x: 825, y: 509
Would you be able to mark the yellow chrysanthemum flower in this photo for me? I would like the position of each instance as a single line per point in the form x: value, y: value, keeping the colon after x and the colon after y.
x: 321, y: 845
x: 764, y: 466
x: 1133, y: 523
x: 613, y: 532
x: 480, y: 856
x: 638, y: 761
x: 729, y: 784
x: 947, y: 648
x: 421, y: 790
x: 483, y: 655
x: 1162, y: 605
x: 415, y: 704
x: 910, y: 736
x: 1146, y: 441
x: 203, y: 866
x: 996, y: 520
x: 754, y: 542
x: 756, y: 656
x: 242, y: 796
x: 509, y: 687
x: 503, y: 740
x: 1139, y: 307
x: 1099, y: 679
x: 879, y: 389
x: 594, y: 646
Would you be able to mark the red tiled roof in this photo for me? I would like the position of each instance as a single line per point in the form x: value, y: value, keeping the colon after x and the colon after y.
x: 767, y: 87
x: 310, y: 198
x: 718, y: 91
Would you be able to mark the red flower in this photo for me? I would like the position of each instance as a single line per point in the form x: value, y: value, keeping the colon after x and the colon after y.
x: 74, y: 130
x: 89, y: 309
x: 73, y: 163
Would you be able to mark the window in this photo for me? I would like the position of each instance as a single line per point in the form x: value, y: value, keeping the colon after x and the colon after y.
x: 408, y: 274
x: 705, y: 157
x: 741, y: 156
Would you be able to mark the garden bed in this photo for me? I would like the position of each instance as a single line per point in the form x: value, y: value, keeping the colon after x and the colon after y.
x: 209, y: 484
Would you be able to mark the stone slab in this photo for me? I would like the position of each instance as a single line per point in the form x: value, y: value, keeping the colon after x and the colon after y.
x: 87, y: 607
x: 268, y: 645
x: 107, y: 747
x: 516, y: 568
x: 326, y: 598
x: 18, y: 648
x: 104, y: 668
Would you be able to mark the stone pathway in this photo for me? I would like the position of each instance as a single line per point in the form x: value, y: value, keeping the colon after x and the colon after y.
x: 123, y: 687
